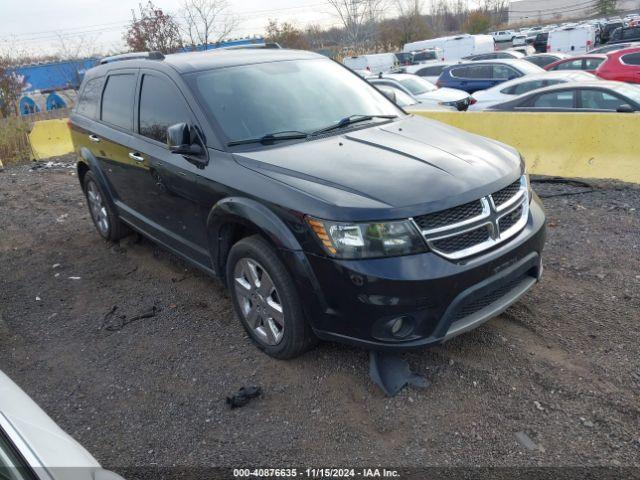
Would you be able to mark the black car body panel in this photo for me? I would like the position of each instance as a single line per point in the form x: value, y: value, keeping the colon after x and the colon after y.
x: 394, y: 169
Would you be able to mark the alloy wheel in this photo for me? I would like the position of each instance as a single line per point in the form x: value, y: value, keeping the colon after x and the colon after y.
x: 259, y: 301
x: 98, y: 208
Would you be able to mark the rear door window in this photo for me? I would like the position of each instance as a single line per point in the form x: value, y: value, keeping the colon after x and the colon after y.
x: 600, y: 100
x: 570, y: 65
x: 161, y: 106
x: 524, y: 87
x: 117, y: 100
x: 503, y: 72
x: 630, y: 33
x: 89, y: 101
x: 479, y: 72
x: 562, y: 99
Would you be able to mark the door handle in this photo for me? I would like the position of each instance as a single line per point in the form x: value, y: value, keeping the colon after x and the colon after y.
x: 94, y: 138
x: 136, y: 156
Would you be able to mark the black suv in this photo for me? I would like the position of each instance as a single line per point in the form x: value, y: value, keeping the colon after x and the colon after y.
x: 326, y: 210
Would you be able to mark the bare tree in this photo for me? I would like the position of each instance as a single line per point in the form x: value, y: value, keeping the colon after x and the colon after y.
x: 412, y: 24
x: 358, y: 18
x: 208, y: 21
x: 153, y: 30
x: 11, y: 85
x: 287, y: 35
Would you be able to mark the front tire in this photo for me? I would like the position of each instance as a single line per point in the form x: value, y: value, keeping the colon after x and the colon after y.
x: 266, y: 301
x: 104, y: 218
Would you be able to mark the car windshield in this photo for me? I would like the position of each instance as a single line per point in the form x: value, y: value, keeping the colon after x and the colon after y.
x: 251, y: 101
x: 417, y: 85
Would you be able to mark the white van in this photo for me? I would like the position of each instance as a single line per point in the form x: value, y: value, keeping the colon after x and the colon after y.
x: 574, y: 40
x: 456, y: 47
x: 374, y: 63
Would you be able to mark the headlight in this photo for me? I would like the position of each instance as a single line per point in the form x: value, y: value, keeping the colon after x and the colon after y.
x: 367, y: 240
x: 523, y: 169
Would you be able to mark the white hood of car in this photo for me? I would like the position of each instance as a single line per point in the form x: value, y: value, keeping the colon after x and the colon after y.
x: 443, y: 95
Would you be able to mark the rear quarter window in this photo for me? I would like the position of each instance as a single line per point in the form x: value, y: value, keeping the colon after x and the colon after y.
x: 117, y: 100
x: 430, y: 71
x: 89, y: 101
x: 631, y: 59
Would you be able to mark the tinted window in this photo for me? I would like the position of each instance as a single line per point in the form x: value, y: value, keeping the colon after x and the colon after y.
x: 630, y: 33
x: 479, y: 71
x: 542, y: 61
x: 90, y: 99
x: 592, y: 63
x: 460, y: 72
x: 430, y: 71
x: 117, y: 100
x: 600, y: 100
x: 504, y: 72
x: 422, y: 56
x: 631, y: 59
x: 161, y: 105
x: 554, y: 100
x: 570, y: 65
x: 525, y: 87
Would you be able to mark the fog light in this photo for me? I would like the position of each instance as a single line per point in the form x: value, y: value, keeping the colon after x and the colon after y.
x: 397, y: 325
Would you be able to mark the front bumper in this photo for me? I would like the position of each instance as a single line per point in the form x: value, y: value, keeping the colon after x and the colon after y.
x: 356, y: 301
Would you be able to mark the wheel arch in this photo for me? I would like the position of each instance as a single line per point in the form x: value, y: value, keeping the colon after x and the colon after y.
x: 234, y: 218
x: 88, y: 162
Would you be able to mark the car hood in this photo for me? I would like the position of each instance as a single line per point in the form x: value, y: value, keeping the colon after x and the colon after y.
x: 409, y: 165
x: 443, y: 95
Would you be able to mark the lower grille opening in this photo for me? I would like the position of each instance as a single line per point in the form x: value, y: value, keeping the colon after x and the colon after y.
x: 472, y: 306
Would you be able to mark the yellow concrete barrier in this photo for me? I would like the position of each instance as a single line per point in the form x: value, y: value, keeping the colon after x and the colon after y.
x: 50, y: 138
x: 582, y: 145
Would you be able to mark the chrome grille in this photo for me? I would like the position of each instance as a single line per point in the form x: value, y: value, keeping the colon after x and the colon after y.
x: 449, y: 216
x: 474, y: 227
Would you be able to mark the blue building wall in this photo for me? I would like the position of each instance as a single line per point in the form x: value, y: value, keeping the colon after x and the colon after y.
x: 54, y: 76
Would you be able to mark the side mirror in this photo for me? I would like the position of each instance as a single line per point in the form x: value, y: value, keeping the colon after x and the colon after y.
x: 391, y: 95
x: 625, y: 108
x: 182, y: 139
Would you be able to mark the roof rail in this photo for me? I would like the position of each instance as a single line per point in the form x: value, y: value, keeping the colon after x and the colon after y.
x: 267, y: 45
x: 133, y: 56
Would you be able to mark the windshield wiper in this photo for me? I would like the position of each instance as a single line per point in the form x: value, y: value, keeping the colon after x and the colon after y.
x: 350, y: 120
x: 270, y: 138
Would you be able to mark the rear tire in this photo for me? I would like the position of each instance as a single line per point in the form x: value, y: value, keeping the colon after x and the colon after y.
x: 104, y: 218
x: 266, y: 301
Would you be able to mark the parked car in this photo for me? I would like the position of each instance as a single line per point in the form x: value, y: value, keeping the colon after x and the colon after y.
x: 503, y: 36
x: 506, y: 54
x: 33, y: 447
x: 621, y: 65
x: 455, y: 47
x: 509, y: 90
x: 614, y: 47
x: 544, y: 59
x: 326, y: 211
x: 588, y: 63
x: 428, y: 55
x: 540, y: 42
x: 430, y: 72
x: 608, y: 29
x: 575, y: 39
x: 408, y: 103
x: 404, y: 58
x: 519, y: 40
x: 625, y: 35
x: 423, y: 91
x: 374, y: 63
x: 525, y: 50
x: 598, y: 96
x: 475, y: 76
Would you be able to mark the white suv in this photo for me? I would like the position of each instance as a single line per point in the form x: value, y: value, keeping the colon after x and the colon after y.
x: 503, y: 36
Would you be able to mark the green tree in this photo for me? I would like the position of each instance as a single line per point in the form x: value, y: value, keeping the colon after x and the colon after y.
x: 478, y: 22
x: 606, y: 7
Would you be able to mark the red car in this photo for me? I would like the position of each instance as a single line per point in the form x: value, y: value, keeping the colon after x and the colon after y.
x: 588, y: 63
x: 621, y: 65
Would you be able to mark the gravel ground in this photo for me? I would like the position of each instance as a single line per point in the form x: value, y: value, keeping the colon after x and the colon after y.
x: 557, y: 373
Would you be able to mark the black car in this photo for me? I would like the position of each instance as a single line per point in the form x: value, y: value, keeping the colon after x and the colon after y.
x: 326, y: 210
x: 625, y: 35
x: 608, y: 29
x: 540, y: 42
x: 614, y: 47
x: 596, y: 96
x: 505, y: 54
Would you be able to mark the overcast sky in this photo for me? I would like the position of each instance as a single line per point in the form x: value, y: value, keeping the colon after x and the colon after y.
x: 36, y: 26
